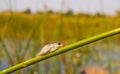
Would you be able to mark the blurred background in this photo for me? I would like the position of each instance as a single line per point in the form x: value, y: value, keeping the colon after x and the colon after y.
x: 27, y: 25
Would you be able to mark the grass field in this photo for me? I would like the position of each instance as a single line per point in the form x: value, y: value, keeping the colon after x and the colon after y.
x: 22, y: 36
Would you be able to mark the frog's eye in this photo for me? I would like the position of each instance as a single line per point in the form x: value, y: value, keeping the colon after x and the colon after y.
x: 59, y: 43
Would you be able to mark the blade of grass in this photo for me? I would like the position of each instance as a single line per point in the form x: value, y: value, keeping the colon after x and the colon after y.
x: 7, y: 51
x: 61, y: 50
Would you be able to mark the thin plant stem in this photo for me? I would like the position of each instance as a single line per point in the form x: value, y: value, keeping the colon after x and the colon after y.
x: 61, y: 50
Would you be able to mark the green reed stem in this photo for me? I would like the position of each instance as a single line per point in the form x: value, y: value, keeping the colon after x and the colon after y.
x: 60, y: 51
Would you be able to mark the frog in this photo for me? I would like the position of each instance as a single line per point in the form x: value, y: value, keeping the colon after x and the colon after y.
x: 50, y: 48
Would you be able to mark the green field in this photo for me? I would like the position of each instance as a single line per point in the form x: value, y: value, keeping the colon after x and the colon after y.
x: 22, y: 35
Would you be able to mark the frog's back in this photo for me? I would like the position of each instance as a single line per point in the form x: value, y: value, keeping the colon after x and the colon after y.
x: 45, y: 49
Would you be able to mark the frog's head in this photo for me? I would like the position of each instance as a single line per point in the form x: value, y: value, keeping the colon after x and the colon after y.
x: 59, y: 44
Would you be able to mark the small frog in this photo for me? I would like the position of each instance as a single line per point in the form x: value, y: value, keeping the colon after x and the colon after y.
x: 50, y: 48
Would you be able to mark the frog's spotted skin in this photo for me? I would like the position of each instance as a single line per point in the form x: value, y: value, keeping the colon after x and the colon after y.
x: 50, y: 48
